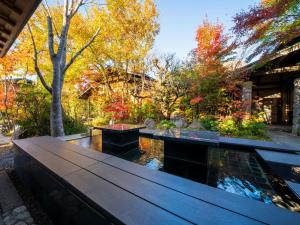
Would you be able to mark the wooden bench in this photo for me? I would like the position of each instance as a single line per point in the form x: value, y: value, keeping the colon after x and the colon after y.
x: 82, y: 186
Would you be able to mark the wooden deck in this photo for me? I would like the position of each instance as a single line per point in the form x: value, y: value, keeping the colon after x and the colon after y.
x: 121, y: 192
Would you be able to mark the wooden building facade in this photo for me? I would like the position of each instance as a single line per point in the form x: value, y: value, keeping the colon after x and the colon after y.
x: 275, y: 86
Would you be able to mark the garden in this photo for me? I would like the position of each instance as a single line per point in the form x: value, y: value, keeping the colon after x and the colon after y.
x: 68, y: 72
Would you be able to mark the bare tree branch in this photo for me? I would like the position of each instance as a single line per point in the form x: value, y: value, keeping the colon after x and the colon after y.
x: 76, y: 7
x: 49, y: 13
x: 50, y: 37
x: 36, y: 66
x: 81, y: 50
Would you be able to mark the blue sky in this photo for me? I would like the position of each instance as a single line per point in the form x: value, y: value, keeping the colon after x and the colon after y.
x: 179, y: 20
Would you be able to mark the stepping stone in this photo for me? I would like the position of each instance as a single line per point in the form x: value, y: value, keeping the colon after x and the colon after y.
x: 9, y: 198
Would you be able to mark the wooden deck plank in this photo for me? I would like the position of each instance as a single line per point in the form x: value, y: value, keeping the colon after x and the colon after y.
x: 154, y: 181
x: 248, y: 207
x: 90, y: 153
x: 180, y: 204
x: 75, y: 158
x: 195, y: 212
x: 125, y: 206
x: 108, y: 196
x: 52, y: 162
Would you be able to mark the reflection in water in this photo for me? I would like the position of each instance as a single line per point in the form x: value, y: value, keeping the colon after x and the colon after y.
x: 238, y: 172
x: 296, y: 170
x: 243, y: 188
x: 94, y: 143
x: 152, y: 154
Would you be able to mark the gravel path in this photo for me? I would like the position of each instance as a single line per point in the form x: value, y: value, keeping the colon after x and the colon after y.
x: 31, y: 213
x: 36, y: 210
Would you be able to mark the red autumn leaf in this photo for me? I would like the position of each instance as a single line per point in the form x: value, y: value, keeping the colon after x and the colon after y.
x: 196, y: 100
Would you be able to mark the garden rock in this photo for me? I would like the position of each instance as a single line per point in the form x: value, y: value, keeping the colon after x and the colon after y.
x: 150, y: 123
x: 180, y: 123
x: 9, y: 220
x: 17, y: 216
x: 196, y: 125
x: 23, y: 215
x: 17, y: 134
x: 19, y: 210
x: 21, y: 223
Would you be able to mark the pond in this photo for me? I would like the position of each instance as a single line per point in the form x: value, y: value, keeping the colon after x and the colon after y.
x: 237, y: 171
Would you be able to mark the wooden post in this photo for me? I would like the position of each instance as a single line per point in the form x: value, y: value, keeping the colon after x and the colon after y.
x: 296, y: 108
x: 247, y: 96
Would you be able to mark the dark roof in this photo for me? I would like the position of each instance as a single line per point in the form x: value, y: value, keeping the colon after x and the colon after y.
x: 114, y: 78
x: 14, y: 15
x: 16, y: 80
x: 284, y: 58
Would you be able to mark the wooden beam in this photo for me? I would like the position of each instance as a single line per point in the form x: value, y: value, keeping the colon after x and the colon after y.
x: 3, y: 39
x: 10, y: 5
x: 7, y: 20
x: 284, y: 70
x: 4, y: 30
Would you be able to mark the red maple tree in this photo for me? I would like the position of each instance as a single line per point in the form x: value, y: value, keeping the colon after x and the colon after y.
x: 268, y: 24
x: 117, y: 107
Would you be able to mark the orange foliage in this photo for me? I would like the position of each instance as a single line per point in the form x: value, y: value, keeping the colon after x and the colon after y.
x: 211, y: 42
x: 8, y: 65
x: 7, y: 97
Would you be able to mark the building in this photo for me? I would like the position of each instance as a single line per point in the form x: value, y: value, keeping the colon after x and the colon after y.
x: 274, y: 86
x: 14, y: 15
x: 136, y: 83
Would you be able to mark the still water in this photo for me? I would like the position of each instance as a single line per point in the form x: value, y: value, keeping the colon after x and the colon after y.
x: 239, y: 172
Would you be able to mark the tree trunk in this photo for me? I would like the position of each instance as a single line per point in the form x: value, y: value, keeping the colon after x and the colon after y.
x: 56, y: 118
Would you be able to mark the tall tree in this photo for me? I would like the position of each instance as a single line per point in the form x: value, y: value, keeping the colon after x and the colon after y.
x: 57, y: 49
x: 268, y: 24
x: 9, y: 66
x: 212, y: 46
x: 170, y: 85
x: 128, y: 31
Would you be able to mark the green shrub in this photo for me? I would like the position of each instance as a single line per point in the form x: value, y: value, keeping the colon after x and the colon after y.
x: 72, y: 126
x: 247, y: 127
x: 228, y: 126
x: 34, y: 115
x: 166, y: 124
x: 189, y: 115
x: 252, y: 127
x: 148, y: 111
x: 98, y: 121
x: 209, y: 123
